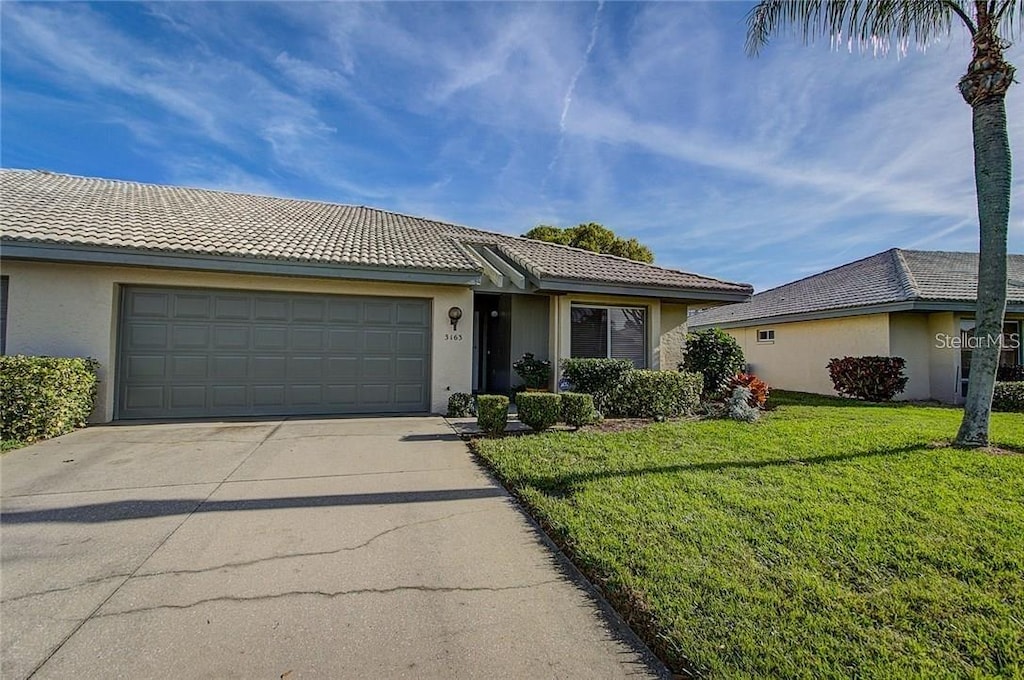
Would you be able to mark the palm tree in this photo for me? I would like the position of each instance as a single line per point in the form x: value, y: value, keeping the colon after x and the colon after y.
x: 983, y: 87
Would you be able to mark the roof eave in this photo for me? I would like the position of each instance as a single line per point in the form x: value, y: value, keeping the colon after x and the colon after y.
x: 132, y: 257
x: 883, y: 308
x: 554, y: 285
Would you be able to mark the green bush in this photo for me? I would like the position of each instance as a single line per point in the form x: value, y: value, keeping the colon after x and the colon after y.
x: 868, y: 378
x: 534, y: 372
x: 42, y: 397
x: 460, y: 405
x: 596, y: 377
x: 715, y: 355
x: 492, y: 413
x: 538, y: 410
x: 577, y: 409
x: 656, y: 394
x: 1009, y: 396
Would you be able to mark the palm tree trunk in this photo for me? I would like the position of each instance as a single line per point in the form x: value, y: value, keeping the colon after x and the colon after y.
x: 992, y: 179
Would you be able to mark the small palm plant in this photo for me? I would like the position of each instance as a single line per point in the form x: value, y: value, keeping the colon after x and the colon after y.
x: 535, y: 372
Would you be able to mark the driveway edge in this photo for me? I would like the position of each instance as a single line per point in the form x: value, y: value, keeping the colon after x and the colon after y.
x: 616, y: 624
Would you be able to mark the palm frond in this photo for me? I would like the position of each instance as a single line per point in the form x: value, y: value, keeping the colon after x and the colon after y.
x: 865, y: 22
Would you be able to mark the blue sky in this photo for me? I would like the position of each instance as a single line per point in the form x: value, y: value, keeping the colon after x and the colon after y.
x: 647, y: 118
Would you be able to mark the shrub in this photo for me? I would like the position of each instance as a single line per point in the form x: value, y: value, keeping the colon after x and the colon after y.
x: 578, y: 409
x: 759, y: 389
x: 739, y: 406
x: 492, y: 413
x: 1009, y: 396
x: 539, y: 410
x: 868, y: 378
x: 460, y: 405
x: 534, y: 372
x: 596, y: 377
x: 42, y: 397
x: 1010, y: 373
x: 715, y: 355
x: 656, y: 394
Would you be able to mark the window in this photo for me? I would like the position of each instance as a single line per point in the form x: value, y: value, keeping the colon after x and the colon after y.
x: 3, y: 314
x: 766, y: 335
x: 1009, y: 356
x: 609, y: 333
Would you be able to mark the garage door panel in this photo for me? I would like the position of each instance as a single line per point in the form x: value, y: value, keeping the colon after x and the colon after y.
x: 145, y: 368
x: 270, y: 309
x: 343, y: 311
x: 305, y: 339
x: 269, y: 395
x: 274, y: 337
x: 372, y: 395
x: 188, y: 397
x: 270, y: 368
x: 409, y: 394
x: 189, y: 367
x: 190, y: 336
x: 232, y: 307
x: 410, y: 369
x: 230, y: 337
x: 149, y: 335
x: 144, y: 396
x: 188, y: 306
x: 229, y: 367
x: 345, y: 340
x: 195, y: 352
x: 342, y: 367
x: 378, y: 312
x: 149, y: 305
x: 411, y: 342
x: 228, y: 396
x: 378, y: 341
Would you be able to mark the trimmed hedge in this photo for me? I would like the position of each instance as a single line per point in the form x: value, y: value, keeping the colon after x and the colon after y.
x: 538, y: 410
x: 43, y: 397
x: 656, y: 394
x: 1009, y: 397
x: 715, y: 355
x: 868, y: 378
x: 577, y: 409
x: 460, y: 405
x: 596, y: 377
x: 492, y: 413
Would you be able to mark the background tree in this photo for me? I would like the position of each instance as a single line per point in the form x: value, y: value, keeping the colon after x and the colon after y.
x: 593, y: 237
x: 983, y: 87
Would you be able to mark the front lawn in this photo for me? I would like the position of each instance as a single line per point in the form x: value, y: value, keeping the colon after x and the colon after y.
x: 831, y: 539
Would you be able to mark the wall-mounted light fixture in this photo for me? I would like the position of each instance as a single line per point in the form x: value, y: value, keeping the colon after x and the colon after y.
x: 454, y: 314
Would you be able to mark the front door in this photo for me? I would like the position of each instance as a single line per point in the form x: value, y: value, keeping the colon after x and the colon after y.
x: 493, y: 338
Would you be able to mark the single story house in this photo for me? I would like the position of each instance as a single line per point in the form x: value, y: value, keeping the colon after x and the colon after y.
x: 202, y: 303
x: 914, y: 304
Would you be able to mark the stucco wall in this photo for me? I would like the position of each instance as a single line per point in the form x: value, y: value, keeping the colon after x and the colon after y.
x: 673, y: 335
x: 943, y: 360
x: 71, y: 310
x: 796, y: 360
x: 909, y: 338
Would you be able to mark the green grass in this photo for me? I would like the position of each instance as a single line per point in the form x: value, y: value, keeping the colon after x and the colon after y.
x: 831, y: 539
x: 11, y: 444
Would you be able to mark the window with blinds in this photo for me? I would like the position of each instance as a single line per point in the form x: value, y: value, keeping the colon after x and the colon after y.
x: 609, y: 332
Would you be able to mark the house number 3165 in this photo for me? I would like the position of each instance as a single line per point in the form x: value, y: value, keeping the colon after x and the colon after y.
x: 453, y: 337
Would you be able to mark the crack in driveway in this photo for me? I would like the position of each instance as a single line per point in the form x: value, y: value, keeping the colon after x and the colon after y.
x: 331, y: 595
x: 316, y: 553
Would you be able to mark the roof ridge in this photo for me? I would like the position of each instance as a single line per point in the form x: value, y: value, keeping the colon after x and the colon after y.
x: 906, y: 275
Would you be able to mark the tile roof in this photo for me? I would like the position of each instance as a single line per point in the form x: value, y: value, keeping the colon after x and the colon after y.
x: 893, y: 276
x: 45, y: 207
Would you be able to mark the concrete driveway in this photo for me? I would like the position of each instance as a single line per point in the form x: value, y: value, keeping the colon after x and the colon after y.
x: 343, y: 548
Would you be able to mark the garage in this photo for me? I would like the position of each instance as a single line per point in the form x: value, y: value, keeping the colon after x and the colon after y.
x: 186, y: 353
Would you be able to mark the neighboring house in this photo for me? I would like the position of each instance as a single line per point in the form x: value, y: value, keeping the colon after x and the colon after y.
x: 914, y: 304
x: 206, y: 303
